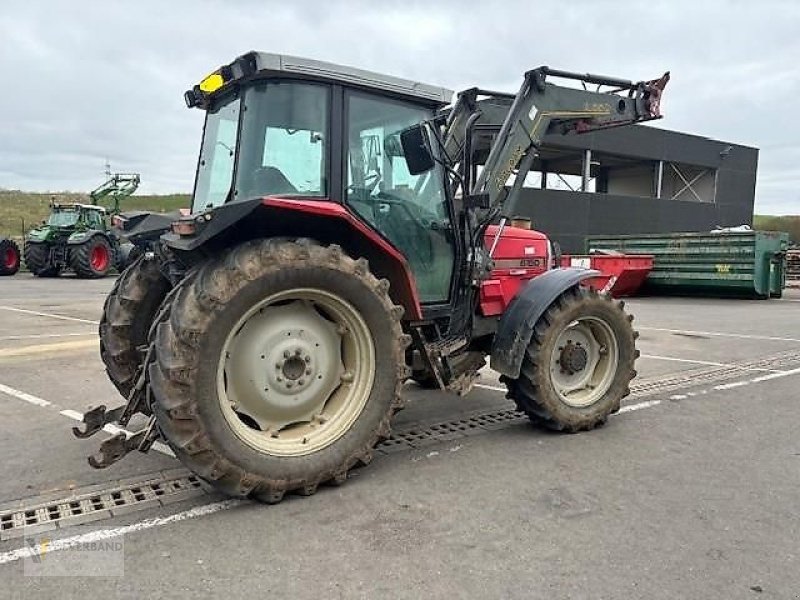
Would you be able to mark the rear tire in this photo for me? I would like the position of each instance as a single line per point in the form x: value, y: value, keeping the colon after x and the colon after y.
x: 125, y: 256
x: 9, y: 257
x: 221, y: 342
x: 128, y: 312
x: 37, y: 259
x: 93, y: 259
x: 579, y: 363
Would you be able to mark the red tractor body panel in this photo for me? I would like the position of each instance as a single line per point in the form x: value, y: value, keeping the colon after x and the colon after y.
x: 403, y: 282
x: 520, y: 255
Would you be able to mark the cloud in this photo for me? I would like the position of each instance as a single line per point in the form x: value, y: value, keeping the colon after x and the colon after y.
x: 90, y: 81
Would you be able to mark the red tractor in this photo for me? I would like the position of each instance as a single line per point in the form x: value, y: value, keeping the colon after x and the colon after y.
x: 350, y: 230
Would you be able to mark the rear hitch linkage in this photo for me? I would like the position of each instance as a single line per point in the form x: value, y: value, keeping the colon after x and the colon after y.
x: 118, y: 446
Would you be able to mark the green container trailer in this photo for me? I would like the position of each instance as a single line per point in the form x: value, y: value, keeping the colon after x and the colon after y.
x: 728, y: 263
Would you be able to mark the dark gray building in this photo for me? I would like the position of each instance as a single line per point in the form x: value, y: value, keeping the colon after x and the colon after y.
x: 637, y: 179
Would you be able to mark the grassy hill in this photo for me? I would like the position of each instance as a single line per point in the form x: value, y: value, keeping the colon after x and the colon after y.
x: 19, y: 211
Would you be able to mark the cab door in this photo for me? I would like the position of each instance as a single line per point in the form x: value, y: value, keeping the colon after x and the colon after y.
x: 411, y: 211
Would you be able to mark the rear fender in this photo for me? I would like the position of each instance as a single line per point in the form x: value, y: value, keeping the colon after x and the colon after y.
x: 79, y: 237
x: 516, y: 325
x: 322, y: 220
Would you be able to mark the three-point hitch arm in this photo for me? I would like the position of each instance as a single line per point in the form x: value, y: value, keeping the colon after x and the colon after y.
x: 540, y: 107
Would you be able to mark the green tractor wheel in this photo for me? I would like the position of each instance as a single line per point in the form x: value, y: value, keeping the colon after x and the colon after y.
x: 9, y: 257
x: 92, y: 259
x: 37, y: 258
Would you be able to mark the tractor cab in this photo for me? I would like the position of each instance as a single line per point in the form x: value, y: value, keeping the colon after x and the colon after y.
x: 285, y: 127
x: 76, y: 216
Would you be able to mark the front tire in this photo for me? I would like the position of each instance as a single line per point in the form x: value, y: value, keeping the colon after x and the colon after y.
x: 579, y: 363
x: 278, y: 369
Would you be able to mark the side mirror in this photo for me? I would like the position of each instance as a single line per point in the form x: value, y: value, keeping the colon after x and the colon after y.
x: 417, y: 150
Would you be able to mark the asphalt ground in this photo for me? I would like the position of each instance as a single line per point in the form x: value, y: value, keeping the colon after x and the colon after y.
x: 690, y: 492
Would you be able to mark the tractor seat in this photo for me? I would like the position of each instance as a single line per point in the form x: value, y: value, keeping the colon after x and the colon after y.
x: 270, y: 180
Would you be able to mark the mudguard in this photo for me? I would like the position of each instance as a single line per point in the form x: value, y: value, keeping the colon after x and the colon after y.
x: 80, y: 237
x: 517, y: 323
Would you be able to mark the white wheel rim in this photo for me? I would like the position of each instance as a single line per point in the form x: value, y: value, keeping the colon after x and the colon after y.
x: 584, y: 361
x: 295, y: 372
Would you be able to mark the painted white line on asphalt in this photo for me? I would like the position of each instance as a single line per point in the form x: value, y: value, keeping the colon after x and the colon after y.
x: 23, y: 396
x: 494, y: 388
x: 730, y: 386
x: 51, y: 315
x: 38, y: 336
x: 639, y: 406
x: 105, y: 534
x: 76, y: 416
x: 702, y: 362
x: 775, y: 375
x: 114, y: 430
x: 742, y: 336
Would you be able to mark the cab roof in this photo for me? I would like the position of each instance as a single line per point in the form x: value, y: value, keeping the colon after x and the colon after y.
x: 256, y: 65
x: 77, y: 206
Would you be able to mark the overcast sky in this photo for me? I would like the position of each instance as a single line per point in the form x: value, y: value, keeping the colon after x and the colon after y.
x: 84, y: 80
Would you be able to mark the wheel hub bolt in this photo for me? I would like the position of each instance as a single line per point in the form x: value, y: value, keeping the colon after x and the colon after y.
x: 347, y: 376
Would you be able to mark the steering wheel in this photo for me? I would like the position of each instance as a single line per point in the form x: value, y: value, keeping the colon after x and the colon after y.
x: 414, y: 211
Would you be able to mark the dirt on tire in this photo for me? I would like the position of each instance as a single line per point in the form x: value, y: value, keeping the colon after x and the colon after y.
x: 533, y: 391
x: 130, y: 309
x: 191, y: 334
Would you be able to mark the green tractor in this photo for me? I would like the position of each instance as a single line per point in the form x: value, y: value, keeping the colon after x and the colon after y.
x: 78, y: 237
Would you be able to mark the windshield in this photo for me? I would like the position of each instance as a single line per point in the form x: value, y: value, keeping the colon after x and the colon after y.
x: 63, y: 218
x: 215, y: 168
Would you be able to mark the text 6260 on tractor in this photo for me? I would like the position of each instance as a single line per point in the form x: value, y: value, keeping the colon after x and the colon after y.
x: 349, y: 230
x: 78, y: 237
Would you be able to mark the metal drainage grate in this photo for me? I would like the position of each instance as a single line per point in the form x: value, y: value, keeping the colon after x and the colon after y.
x: 83, y: 508
x: 418, y: 437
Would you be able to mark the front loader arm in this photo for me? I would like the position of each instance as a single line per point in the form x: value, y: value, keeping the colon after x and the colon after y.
x: 540, y: 107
